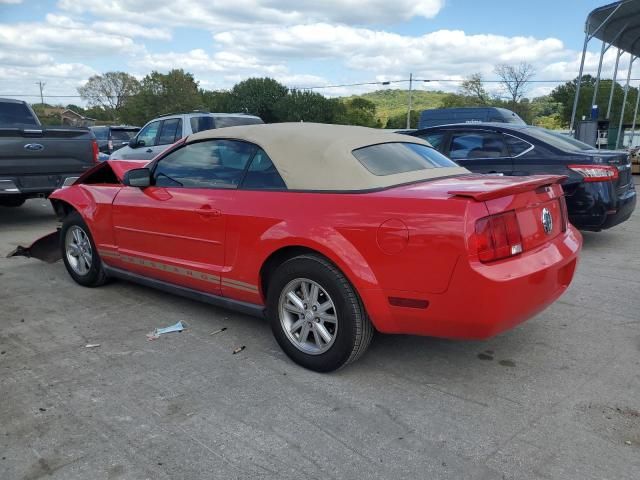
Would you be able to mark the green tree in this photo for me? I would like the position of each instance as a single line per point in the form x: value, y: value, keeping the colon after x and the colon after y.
x: 564, y: 95
x: 258, y: 96
x: 109, y: 91
x: 306, y: 106
x: 399, y: 120
x: 217, y: 101
x: 176, y: 91
x: 358, y: 111
x: 473, y: 88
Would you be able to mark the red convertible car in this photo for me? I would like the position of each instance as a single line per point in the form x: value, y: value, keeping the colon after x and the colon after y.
x: 330, y: 231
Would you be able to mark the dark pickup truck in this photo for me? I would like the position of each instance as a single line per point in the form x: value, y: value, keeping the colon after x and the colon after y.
x: 36, y: 160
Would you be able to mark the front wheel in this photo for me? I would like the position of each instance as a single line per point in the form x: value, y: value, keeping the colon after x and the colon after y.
x: 316, y: 316
x: 79, y: 252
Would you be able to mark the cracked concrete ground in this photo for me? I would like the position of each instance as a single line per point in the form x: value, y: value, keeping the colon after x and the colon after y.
x: 556, y: 398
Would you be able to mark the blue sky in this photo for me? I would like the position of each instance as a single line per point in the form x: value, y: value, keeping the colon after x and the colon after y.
x: 302, y: 44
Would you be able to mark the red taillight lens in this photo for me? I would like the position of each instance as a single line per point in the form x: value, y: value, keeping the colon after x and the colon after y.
x: 498, y: 236
x: 596, y: 173
x: 96, y: 150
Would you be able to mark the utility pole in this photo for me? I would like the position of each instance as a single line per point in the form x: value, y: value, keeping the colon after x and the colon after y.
x: 410, y: 101
x: 41, y: 84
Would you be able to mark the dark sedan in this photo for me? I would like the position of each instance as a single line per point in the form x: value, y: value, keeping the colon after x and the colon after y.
x: 599, y: 189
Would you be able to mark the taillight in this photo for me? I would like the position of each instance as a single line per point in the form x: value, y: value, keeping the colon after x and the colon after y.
x: 96, y: 150
x: 596, y: 173
x: 498, y: 236
x: 110, y: 145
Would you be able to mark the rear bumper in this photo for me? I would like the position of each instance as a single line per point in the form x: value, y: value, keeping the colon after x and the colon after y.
x: 28, y: 186
x: 596, y: 206
x: 484, y: 299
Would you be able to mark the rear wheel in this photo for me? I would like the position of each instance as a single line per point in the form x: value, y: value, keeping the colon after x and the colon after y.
x: 316, y: 315
x: 79, y: 252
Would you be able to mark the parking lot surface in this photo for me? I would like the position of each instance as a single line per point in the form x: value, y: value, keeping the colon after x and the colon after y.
x: 555, y: 398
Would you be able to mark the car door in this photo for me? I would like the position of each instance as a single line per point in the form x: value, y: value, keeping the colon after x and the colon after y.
x: 146, y: 141
x: 530, y: 159
x: 481, y: 151
x: 174, y: 230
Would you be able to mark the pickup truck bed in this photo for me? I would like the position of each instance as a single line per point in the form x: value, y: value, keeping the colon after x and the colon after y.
x: 34, y: 160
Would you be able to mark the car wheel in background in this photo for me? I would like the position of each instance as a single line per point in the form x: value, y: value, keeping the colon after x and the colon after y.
x: 79, y: 253
x: 316, y: 315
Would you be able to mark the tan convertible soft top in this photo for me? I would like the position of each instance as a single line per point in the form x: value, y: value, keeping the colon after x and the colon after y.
x: 316, y: 156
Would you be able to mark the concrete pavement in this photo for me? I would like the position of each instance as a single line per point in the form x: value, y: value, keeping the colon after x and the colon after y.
x: 556, y: 398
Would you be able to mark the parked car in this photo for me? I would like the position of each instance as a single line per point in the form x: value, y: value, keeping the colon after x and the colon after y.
x: 445, y: 116
x: 160, y: 133
x: 113, y: 137
x: 36, y: 160
x: 257, y: 219
x: 599, y: 189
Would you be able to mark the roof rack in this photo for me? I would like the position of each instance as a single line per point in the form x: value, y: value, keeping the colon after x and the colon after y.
x: 182, y: 113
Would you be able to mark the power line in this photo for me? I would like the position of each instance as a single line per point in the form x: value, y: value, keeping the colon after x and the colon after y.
x: 317, y: 87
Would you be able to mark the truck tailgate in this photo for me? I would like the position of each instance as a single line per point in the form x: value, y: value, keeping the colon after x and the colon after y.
x: 44, y: 152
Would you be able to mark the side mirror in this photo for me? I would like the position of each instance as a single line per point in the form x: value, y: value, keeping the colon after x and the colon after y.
x: 138, y: 177
x: 135, y: 143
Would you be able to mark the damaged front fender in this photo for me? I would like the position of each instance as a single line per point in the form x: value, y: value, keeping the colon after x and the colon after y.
x: 46, y: 249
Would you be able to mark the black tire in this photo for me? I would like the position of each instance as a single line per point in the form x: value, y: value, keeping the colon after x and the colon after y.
x: 95, y: 274
x: 353, y: 328
x: 12, y: 202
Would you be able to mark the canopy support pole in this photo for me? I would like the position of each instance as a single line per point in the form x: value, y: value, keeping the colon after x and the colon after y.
x: 597, y: 86
x: 587, y: 37
x: 613, y: 82
x: 624, y: 101
x: 635, y: 115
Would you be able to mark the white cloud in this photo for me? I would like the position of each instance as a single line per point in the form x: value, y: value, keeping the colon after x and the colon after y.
x: 132, y: 30
x: 439, y: 54
x: 284, y: 12
x: 63, y: 35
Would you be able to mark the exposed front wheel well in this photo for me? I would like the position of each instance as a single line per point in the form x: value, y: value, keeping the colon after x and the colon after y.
x: 62, y: 208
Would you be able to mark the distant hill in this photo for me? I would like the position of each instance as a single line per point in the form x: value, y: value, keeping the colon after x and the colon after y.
x: 393, y: 102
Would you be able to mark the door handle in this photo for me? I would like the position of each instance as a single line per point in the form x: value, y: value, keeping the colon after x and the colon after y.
x: 207, y: 211
x: 149, y: 150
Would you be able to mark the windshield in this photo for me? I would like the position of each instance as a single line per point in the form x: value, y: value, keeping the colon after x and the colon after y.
x: 558, y: 140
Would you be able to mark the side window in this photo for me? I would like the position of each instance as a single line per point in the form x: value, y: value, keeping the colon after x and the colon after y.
x: 516, y: 145
x: 208, y: 164
x: 435, y: 139
x: 469, y: 145
x: 170, y: 132
x: 148, y: 134
x: 198, y: 124
x: 262, y: 174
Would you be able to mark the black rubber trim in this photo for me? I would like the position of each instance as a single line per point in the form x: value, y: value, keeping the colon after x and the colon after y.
x: 237, y: 305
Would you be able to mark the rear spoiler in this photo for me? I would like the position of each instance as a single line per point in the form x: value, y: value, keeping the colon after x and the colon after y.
x: 496, y: 187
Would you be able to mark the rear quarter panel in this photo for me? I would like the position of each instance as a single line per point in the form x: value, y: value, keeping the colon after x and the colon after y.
x: 346, y: 229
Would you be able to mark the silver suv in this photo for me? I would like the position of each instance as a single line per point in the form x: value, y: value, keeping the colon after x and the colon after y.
x: 160, y: 133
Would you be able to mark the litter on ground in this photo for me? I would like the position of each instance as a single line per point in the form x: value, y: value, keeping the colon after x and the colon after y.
x: 178, y: 327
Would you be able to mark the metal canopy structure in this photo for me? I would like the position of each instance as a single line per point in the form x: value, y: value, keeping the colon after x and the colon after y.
x: 616, y: 25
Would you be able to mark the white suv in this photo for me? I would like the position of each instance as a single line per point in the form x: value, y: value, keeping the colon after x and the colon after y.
x: 160, y: 133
